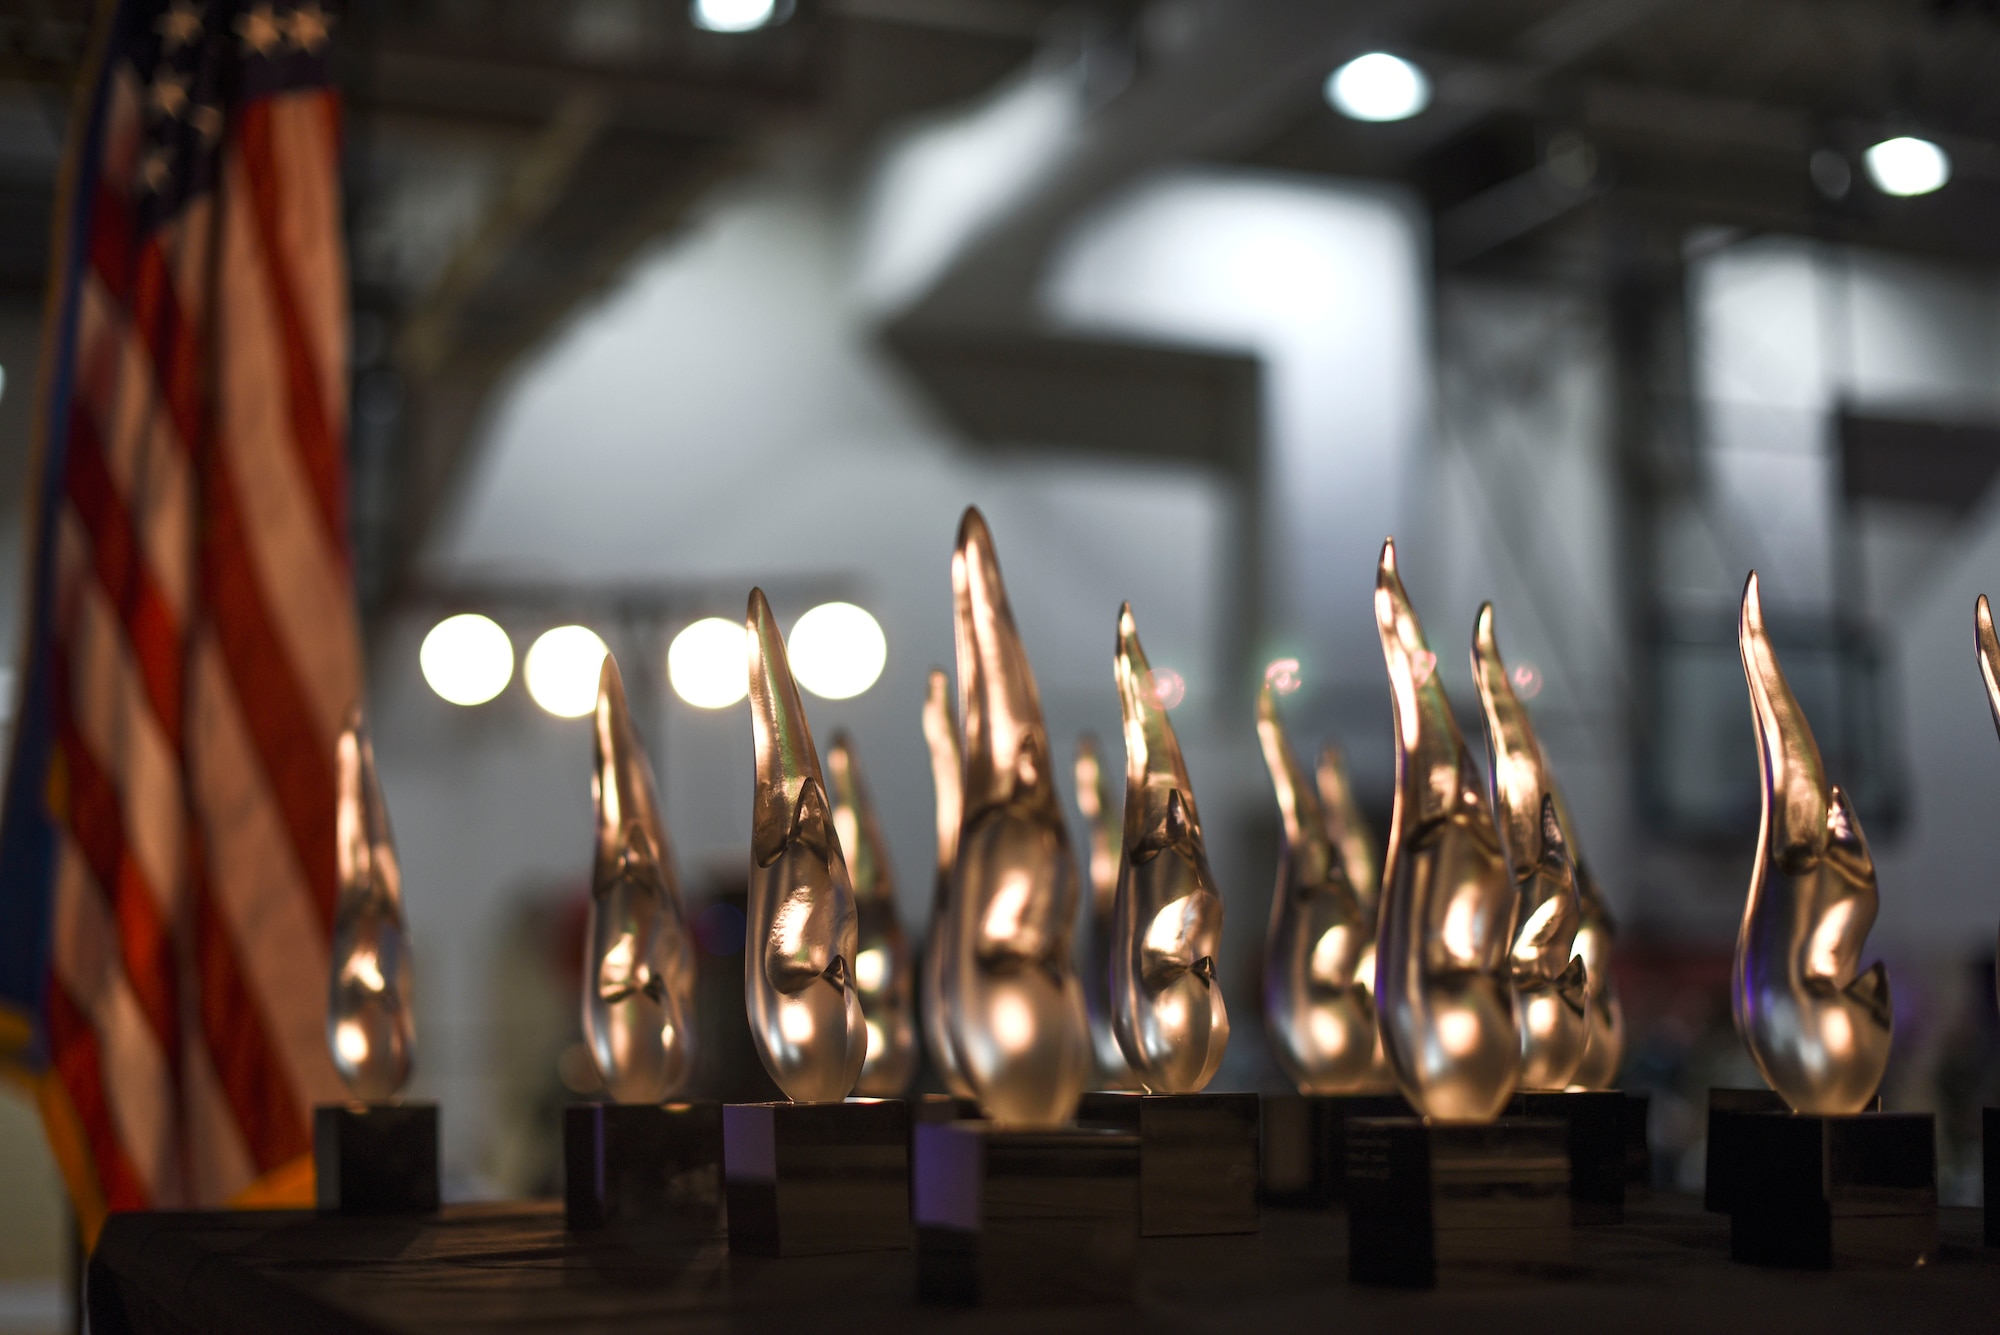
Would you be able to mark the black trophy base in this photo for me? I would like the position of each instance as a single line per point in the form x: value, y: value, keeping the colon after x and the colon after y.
x: 1989, y: 1136
x: 1814, y: 1192
x: 375, y: 1158
x: 1025, y: 1217
x: 1638, y: 1140
x: 1435, y: 1204
x: 643, y: 1163
x: 944, y: 1108
x: 808, y: 1179
x: 1197, y: 1158
x: 1596, y: 1122
x: 1726, y: 1109
x: 1303, y: 1143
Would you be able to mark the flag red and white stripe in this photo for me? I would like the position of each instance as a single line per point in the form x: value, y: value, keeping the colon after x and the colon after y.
x: 194, y: 647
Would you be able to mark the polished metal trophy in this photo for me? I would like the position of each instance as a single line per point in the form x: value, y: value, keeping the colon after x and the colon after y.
x: 1198, y: 1151
x: 374, y: 1154
x: 1551, y: 981
x: 947, y: 778
x: 1454, y: 1188
x: 1817, y: 1025
x: 881, y: 952
x: 1104, y: 829
x: 812, y: 1174
x: 1021, y: 1208
x: 1319, y: 976
x: 1596, y: 932
x: 635, y: 1158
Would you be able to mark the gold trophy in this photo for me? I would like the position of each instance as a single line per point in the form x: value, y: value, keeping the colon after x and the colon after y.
x: 375, y: 1154
x: 1987, y: 645
x: 1549, y: 979
x: 882, y: 955
x: 813, y: 1174
x: 1485, y: 1192
x: 1021, y: 1206
x: 1011, y: 996
x: 637, y: 1158
x: 1817, y: 1025
x: 1103, y: 823
x: 941, y: 736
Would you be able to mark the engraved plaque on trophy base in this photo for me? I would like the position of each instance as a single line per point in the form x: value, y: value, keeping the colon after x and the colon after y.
x: 1432, y: 1204
x: 1813, y: 1192
x: 1007, y: 1217
x: 375, y: 1158
x: 1638, y: 1140
x: 1726, y: 1108
x: 806, y: 1179
x: 643, y: 1163
x: 1303, y: 1143
x: 1989, y: 1135
x: 1197, y: 1158
x: 1596, y: 1122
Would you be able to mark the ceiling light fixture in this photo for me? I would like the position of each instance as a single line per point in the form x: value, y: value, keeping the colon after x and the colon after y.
x: 837, y: 650
x: 562, y: 668
x: 467, y: 659
x: 1907, y: 166
x: 708, y: 664
x: 736, y: 15
x: 1378, y: 87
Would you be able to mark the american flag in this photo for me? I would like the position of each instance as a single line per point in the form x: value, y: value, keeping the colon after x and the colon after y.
x: 167, y: 853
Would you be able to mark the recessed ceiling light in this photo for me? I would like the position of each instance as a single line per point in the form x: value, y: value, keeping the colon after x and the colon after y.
x: 1378, y: 87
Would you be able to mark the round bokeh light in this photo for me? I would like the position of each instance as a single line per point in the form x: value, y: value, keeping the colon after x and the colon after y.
x: 733, y: 15
x: 467, y: 659
x: 708, y: 663
x: 1907, y: 166
x: 562, y: 668
x: 1378, y: 87
x: 837, y: 650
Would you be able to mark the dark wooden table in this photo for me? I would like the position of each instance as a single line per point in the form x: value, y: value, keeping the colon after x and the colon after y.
x: 512, y: 1268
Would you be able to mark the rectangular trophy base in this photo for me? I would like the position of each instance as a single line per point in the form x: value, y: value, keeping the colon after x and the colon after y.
x: 1019, y: 1217
x: 930, y: 1108
x: 1596, y: 1121
x: 1989, y: 1136
x: 643, y: 1163
x: 1815, y: 1191
x: 1303, y: 1142
x: 375, y: 1158
x: 808, y: 1179
x: 1638, y: 1140
x: 1726, y: 1108
x: 1432, y: 1204
x: 1197, y: 1158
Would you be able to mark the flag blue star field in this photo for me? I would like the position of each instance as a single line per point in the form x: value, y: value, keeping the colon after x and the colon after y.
x: 167, y: 851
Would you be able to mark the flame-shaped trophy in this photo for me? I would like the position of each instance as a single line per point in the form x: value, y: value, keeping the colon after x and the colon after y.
x: 1987, y: 646
x: 374, y: 1154
x: 812, y: 1174
x: 636, y: 1158
x: 1596, y: 932
x: 1198, y: 1151
x: 1493, y: 1191
x: 1551, y: 979
x: 881, y: 953
x: 1011, y: 995
x: 947, y: 779
x: 1319, y: 975
x: 1816, y: 1024
x: 1019, y: 1208
x: 1104, y: 827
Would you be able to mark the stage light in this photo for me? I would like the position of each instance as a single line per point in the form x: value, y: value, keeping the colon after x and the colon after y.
x: 1907, y: 166
x: 734, y: 15
x: 467, y: 659
x: 1378, y: 87
x: 561, y: 670
x: 837, y: 650
x: 708, y: 664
